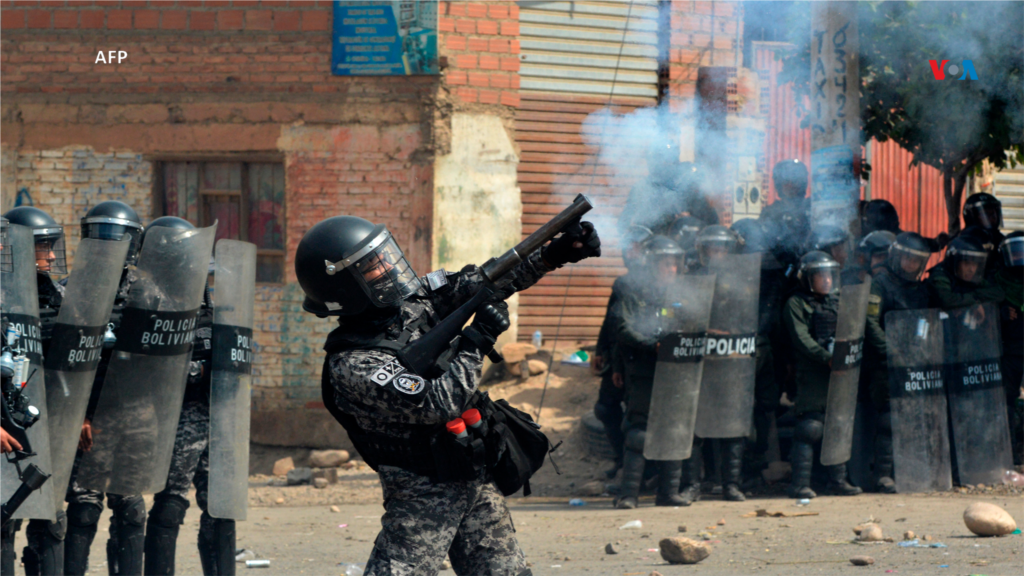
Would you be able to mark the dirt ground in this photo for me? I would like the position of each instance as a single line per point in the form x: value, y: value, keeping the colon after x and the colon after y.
x: 296, y: 528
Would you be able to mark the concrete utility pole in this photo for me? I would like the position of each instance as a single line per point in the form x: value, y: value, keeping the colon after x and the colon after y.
x: 835, y: 114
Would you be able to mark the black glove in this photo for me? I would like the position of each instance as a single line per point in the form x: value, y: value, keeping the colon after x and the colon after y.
x: 490, y: 321
x: 562, y: 250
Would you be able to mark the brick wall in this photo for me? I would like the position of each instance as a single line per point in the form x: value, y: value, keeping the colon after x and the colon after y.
x: 701, y: 34
x: 481, y: 43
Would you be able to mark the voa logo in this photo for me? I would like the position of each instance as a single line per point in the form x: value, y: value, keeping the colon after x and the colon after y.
x: 942, y: 70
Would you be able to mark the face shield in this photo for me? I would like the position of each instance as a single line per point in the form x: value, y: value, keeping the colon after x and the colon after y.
x: 115, y: 229
x: 381, y: 270
x: 1012, y: 250
x: 906, y: 262
x: 969, y: 265
x: 988, y: 215
x: 711, y: 251
x: 50, y: 255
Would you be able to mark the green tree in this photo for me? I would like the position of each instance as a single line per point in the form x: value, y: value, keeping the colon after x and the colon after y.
x: 951, y: 125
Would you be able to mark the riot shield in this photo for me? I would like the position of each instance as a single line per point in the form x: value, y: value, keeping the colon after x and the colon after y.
x: 19, y: 301
x: 725, y: 408
x: 137, y: 414
x: 231, y: 380
x: 77, y: 343
x: 677, y: 374
x: 920, y: 439
x: 977, y: 402
x: 841, y: 407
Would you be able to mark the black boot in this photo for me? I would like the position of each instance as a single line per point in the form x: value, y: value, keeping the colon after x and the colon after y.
x: 7, y: 555
x: 44, y: 554
x: 802, y: 459
x: 632, y: 475
x: 82, y: 524
x: 162, y: 534
x: 838, y: 484
x: 732, y: 469
x: 129, y: 532
x: 668, y: 484
x: 690, y: 481
x: 217, y: 546
x: 884, y: 482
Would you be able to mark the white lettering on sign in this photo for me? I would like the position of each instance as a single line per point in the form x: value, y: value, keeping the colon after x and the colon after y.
x: 922, y: 380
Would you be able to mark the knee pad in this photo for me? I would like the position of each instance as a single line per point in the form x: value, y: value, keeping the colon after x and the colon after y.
x: 635, y: 438
x: 41, y: 531
x: 808, y: 430
x: 132, y: 511
x: 169, y: 512
x: 602, y: 411
x: 84, y: 514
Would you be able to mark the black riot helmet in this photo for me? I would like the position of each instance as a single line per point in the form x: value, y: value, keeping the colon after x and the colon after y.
x: 751, y: 235
x: 1012, y: 249
x: 715, y: 241
x: 879, y: 215
x: 909, y: 255
x: 661, y: 252
x: 167, y: 222
x: 832, y: 240
x: 875, y: 246
x: 348, y: 266
x: 684, y: 231
x: 6, y: 253
x: 48, y: 236
x: 965, y: 259
x: 818, y: 273
x: 790, y: 178
x: 113, y: 220
x: 983, y: 210
x: 633, y: 245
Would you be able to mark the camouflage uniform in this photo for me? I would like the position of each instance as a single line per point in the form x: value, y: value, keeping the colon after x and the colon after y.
x: 424, y: 519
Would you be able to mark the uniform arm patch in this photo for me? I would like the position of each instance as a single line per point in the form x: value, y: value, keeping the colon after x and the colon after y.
x: 387, y: 372
x: 874, y: 304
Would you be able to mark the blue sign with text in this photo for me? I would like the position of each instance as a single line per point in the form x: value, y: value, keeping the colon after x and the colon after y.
x: 384, y: 38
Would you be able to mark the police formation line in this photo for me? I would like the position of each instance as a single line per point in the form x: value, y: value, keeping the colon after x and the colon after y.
x: 107, y: 389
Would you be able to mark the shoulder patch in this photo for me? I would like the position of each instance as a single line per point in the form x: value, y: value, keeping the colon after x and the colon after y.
x: 387, y: 372
x: 409, y: 384
x: 874, y: 304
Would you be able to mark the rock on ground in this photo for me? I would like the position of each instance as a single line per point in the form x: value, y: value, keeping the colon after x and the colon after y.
x: 681, y: 550
x: 869, y: 532
x: 320, y: 483
x: 592, y: 488
x: 609, y: 548
x: 534, y: 366
x: 516, y: 352
x: 909, y: 535
x: 282, y: 466
x: 328, y: 458
x: 986, y: 519
x: 300, y: 476
x: 862, y: 560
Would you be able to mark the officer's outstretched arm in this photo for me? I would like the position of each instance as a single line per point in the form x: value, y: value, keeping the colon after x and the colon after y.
x: 797, y: 320
x: 461, y: 286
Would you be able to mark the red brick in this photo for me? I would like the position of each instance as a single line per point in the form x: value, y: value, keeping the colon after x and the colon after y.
x: 65, y: 19
x: 147, y: 19
x: 475, y: 10
x: 200, y: 20
x: 258, y: 20
x: 25, y: 3
x: 478, y: 79
x: 108, y: 3
x: 229, y: 20
x: 457, y: 78
x: 39, y: 18
x: 173, y: 19
x: 501, y: 81
x: 498, y: 45
x: 286, y: 21
x: 134, y: 4
x: 514, y: 46
x: 488, y: 62
x: 457, y: 8
x: 11, y: 19
x: 466, y: 94
x: 119, y: 19
x: 316, y: 20
x: 489, y: 27
x: 465, y: 26
x: 498, y: 11
x: 245, y: 3
x: 478, y: 45
x: 445, y: 24
x: 513, y: 11
x: 465, y: 61
x: 510, y: 28
x: 514, y: 81
x: 703, y: 7
x: 457, y: 43
x: 510, y: 99
x: 217, y: 4
x: 488, y: 96
x: 510, y: 64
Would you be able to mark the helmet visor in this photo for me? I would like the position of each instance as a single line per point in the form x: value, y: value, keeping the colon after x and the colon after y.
x: 385, y: 274
x: 50, y: 255
x: 969, y: 265
x: 1012, y: 250
x: 907, y: 263
x: 988, y: 215
x: 714, y: 249
x: 108, y: 231
x: 823, y: 280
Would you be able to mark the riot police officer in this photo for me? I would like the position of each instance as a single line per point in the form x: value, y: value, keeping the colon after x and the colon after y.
x: 960, y: 279
x: 879, y: 215
x: 898, y: 286
x: 787, y: 220
x: 832, y: 240
x: 354, y: 270
x: 684, y: 233
x: 1010, y: 278
x: 986, y: 212
x: 871, y: 253
x: 190, y: 461
x: 45, y: 551
x: 810, y: 318
x: 638, y: 328
x: 110, y: 220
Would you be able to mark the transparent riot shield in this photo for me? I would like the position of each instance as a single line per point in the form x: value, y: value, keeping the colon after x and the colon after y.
x: 677, y: 374
x: 19, y: 303
x: 841, y: 407
x: 920, y: 439
x: 137, y: 414
x: 231, y: 381
x: 977, y: 402
x: 77, y: 343
x: 725, y: 408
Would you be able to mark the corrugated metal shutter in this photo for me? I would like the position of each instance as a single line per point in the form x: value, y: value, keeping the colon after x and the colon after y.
x: 568, y: 58
x: 1008, y: 187
x: 583, y: 47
